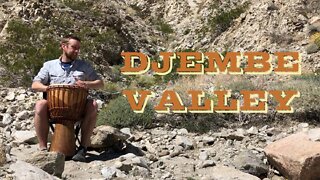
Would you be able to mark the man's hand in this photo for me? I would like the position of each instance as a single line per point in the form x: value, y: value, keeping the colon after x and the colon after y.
x: 80, y: 83
x: 96, y: 84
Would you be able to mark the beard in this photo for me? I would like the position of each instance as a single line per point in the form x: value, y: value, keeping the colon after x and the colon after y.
x: 71, y: 56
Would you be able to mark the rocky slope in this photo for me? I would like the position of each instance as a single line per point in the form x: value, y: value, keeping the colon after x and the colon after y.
x: 139, y: 24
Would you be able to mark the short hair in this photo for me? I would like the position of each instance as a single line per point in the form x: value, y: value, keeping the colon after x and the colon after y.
x: 66, y: 39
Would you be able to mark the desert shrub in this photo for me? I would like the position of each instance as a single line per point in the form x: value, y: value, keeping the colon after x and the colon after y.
x: 316, y: 38
x: 24, y: 52
x: 118, y: 113
x: 307, y: 104
x: 223, y: 20
x: 145, y: 81
x: 30, y: 43
x: 164, y: 27
x: 111, y: 87
x: 234, y: 83
x: 186, y: 83
x: 78, y: 5
x: 84, y: 6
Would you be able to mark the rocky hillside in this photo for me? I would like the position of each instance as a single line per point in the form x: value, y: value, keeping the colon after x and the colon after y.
x: 109, y: 27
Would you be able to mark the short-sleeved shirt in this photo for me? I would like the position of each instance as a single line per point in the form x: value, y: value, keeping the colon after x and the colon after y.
x: 56, y: 72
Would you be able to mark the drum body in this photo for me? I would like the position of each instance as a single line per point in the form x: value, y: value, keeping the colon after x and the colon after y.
x: 66, y: 104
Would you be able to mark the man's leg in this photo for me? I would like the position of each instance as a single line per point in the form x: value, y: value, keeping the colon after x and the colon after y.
x: 89, y: 122
x: 41, y: 122
x: 87, y: 126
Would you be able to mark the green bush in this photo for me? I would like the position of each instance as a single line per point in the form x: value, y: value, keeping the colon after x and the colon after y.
x: 164, y: 27
x: 29, y: 44
x: 118, y: 113
x: 24, y: 52
x: 309, y: 100
x: 111, y: 87
x: 79, y: 5
x: 223, y: 20
x: 145, y: 81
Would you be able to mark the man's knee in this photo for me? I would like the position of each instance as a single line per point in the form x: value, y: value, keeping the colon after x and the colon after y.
x: 41, y: 106
x: 92, y: 106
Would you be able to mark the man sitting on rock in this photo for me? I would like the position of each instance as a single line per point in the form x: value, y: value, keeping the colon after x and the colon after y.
x: 66, y: 70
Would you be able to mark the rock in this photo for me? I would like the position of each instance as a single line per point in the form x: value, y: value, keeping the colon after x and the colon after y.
x: 25, y: 137
x: 166, y: 175
x: 227, y: 173
x: 314, y: 23
x: 207, y: 163
x: 126, y: 131
x: 21, y: 97
x: 253, y: 131
x: 124, y: 166
x: 237, y: 135
x: 314, y: 135
x: 163, y: 153
x: 272, y: 7
x: 176, y: 151
x: 25, y: 171
x: 139, y: 161
x: 152, y: 157
x: 51, y: 162
x: 2, y: 108
x: 22, y: 115
x: 182, y: 131
x: 150, y: 147
x: 296, y: 156
x: 11, y: 110
x: 312, y: 48
x: 208, y: 140
x: 130, y: 148
x: 142, y: 172
x: 303, y: 125
x: 203, y: 156
x: 109, y: 172
x: 99, y: 103
x: 6, y: 119
x: 185, y: 142
x: 10, y: 96
x: 248, y: 162
x: 107, y: 136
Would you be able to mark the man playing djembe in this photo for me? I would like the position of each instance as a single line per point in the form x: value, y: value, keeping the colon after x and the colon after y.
x: 67, y: 70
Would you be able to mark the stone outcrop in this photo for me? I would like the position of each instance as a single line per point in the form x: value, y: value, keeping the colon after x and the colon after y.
x: 50, y: 162
x: 296, y: 156
x: 22, y: 171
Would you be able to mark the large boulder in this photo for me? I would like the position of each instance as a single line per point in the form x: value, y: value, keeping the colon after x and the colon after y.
x: 25, y: 171
x: 29, y: 137
x: 107, y: 136
x: 297, y: 156
x: 50, y: 162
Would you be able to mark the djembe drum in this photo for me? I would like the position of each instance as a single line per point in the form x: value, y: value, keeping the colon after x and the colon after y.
x: 66, y: 104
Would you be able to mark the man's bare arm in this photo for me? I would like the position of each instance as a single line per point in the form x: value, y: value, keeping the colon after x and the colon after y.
x: 38, y: 86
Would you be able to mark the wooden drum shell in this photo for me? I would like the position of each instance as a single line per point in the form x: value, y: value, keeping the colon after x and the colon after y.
x: 66, y: 104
